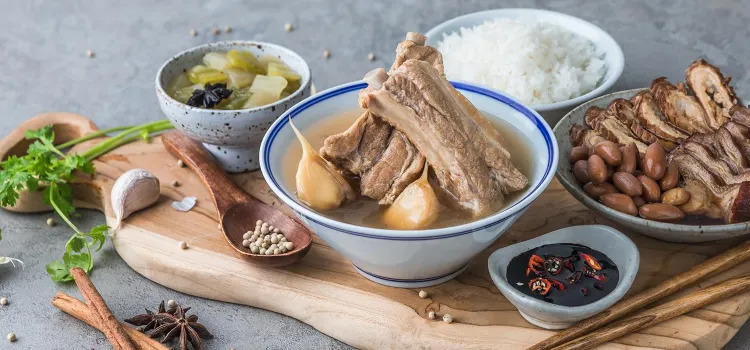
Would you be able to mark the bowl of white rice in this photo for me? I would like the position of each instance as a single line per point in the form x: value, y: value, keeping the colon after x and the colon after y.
x: 548, y: 60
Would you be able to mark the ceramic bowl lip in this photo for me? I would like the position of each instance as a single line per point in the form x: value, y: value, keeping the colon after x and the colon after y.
x: 410, y: 235
x: 627, y: 273
x: 217, y: 46
x: 619, y: 57
x: 577, y: 192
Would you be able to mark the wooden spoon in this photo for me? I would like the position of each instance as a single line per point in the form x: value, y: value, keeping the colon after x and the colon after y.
x: 238, y: 210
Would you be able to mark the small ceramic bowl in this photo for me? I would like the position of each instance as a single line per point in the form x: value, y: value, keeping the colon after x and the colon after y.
x: 660, y: 230
x: 408, y: 259
x: 606, y: 47
x: 232, y: 136
x: 604, y: 239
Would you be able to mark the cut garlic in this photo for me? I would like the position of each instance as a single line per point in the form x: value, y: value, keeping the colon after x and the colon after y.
x: 415, y: 208
x: 319, y: 185
x: 134, y: 190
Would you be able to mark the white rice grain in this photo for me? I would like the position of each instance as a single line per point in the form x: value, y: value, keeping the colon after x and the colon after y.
x: 535, y: 62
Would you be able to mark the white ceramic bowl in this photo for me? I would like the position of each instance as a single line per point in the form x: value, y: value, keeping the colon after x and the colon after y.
x: 604, y: 239
x: 409, y: 258
x: 232, y: 136
x: 606, y: 47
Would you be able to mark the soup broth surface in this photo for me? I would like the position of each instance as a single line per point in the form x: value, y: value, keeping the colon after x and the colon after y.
x: 365, y: 211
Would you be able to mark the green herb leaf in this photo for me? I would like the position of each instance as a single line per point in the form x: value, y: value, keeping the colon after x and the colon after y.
x: 76, y: 243
x: 99, y: 236
x: 58, y: 272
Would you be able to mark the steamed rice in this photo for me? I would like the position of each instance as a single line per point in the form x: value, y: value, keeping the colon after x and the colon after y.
x: 535, y: 62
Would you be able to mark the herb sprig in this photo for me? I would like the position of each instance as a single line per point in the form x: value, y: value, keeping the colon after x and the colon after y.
x: 45, y: 167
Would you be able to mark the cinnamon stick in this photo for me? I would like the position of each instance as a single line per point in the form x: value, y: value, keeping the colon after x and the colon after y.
x: 718, y: 263
x: 661, y: 313
x: 109, y: 324
x: 81, y: 311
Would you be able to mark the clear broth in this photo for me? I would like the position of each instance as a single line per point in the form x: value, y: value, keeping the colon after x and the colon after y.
x: 367, y: 212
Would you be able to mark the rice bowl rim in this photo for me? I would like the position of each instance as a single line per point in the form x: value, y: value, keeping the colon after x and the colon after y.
x: 613, y: 58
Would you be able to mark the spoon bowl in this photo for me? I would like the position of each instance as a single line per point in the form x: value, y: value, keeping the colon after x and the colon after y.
x: 238, y: 211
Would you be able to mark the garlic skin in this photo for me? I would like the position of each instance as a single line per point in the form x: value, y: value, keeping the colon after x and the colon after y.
x: 319, y: 185
x: 134, y: 190
x: 415, y: 208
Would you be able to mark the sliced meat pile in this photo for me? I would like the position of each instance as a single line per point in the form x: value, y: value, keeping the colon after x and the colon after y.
x: 415, y: 117
x: 700, y: 124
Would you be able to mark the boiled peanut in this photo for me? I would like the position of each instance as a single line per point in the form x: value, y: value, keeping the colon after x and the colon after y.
x: 629, y: 158
x: 661, y: 212
x: 671, y: 177
x: 651, y: 191
x: 676, y: 196
x: 597, y: 170
x: 581, y: 171
x: 639, y: 201
x: 627, y: 184
x: 596, y: 191
x: 655, y: 161
x: 620, y: 202
x: 578, y: 153
x: 609, y: 151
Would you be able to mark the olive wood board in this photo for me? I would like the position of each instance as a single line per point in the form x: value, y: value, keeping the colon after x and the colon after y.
x: 324, y: 290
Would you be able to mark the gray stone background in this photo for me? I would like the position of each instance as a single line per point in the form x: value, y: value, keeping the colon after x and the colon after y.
x: 43, y: 67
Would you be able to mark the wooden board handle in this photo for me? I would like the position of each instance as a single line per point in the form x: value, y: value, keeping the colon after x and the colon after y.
x: 67, y: 126
x: 223, y: 190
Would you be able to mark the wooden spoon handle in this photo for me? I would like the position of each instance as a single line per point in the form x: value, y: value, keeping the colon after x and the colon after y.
x: 225, y: 193
x: 718, y: 263
x: 662, y: 313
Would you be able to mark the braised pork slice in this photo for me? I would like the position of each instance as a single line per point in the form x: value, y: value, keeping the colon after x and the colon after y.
x: 382, y: 157
x: 740, y: 136
x: 583, y: 136
x: 470, y: 166
x: 611, y: 128
x: 650, y: 117
x: 679, y: 108
x: 624, y: 111
x: 712, y: 91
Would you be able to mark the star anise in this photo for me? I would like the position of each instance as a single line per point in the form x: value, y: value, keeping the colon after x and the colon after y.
x: 210, y: 96
x: 147, y: 321
x: 187, y: 328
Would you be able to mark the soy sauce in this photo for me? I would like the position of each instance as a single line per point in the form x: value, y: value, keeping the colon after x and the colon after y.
x: 585, y: 291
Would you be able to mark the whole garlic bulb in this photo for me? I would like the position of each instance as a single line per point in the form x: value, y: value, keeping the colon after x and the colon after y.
x: 134, y: 190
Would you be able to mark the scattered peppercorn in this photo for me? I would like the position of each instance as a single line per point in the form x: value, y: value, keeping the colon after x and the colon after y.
x: 171, y: 304
x: 3, y: 301
x: 288, y: 27
x: 216, y: 31
x: 11, y: 337
x: 90, y: 54
x: 371, y: 56
x: 326, y: 54
x: 175, y: 183
x: 227, y: 29
x: 180, y: 163
x: 193, y: 32
x: 431, y: 315
x: 422, y: 294
x: 51, y: 222
x: 183, y: 245
x: 447, y: 318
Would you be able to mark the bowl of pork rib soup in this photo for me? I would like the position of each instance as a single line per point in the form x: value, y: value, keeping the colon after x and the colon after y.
x: 406, y: 174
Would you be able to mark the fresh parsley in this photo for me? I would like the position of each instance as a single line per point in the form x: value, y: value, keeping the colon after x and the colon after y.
x: 45, y: 167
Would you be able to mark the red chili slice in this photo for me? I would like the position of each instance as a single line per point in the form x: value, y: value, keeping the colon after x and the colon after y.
x: 536, y: 265
x: 557, y: 284
x: 591, y: 261
x: 540, y: 285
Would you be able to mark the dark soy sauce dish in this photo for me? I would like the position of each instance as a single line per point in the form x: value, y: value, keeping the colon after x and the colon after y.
x: 563, y: 274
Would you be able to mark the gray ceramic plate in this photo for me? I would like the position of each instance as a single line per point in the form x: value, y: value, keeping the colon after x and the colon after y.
x: 663, y: 231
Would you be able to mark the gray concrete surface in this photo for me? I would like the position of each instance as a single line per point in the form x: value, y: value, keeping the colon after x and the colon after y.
x: 43, y: 68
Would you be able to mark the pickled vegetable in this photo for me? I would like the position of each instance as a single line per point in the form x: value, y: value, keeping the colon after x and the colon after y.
x: 203, y: 75
x: 179, y: 82
x: 265, y: 60
x: 260, y: 98
x: 184, y: 94
x: 216, y: 60
x: 272, y: 85
x: 238, y: 99
x: 281, y: 70
x: 238, y: 78
x: 245, y: 60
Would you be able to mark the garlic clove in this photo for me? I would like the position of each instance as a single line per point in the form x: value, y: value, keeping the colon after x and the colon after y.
x: 415, y: 208
x: 134, y: 190
x: 319, y: 185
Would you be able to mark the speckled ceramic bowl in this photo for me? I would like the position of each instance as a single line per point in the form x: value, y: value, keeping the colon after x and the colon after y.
x: 233, y: 137
x: 660, y: 230
x: 604, y: 239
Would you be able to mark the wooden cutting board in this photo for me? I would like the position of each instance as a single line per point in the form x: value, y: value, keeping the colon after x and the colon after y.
x: 325, y: 291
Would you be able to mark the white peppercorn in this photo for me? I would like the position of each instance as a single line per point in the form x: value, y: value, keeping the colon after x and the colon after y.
x: 216, y: 31
x: 175, y: 183
x: 269, y: 251
x: 254, y: 249
x: 11, y: 337
x: 326, y: 54
x: 289, y: 245
x: 274, y: 239
x: 276, y: 251
x: 265, y: 224
x: 180, y: 163
x: 262, y: 251
x: 259, y: 222
x: 447, y: 318
x: 288, y: 27
x: 431, y: 315
x: 3, y: 301
x: 193, y: 32
x: 247, y: 235
x: 422, y: 294
x: 171, y: 304
x: 276, y: 230
x: 245, y: 243
x: 51, y: 222
x: 183, y: 245
x: 371, y: 56
x: 265, y: 245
